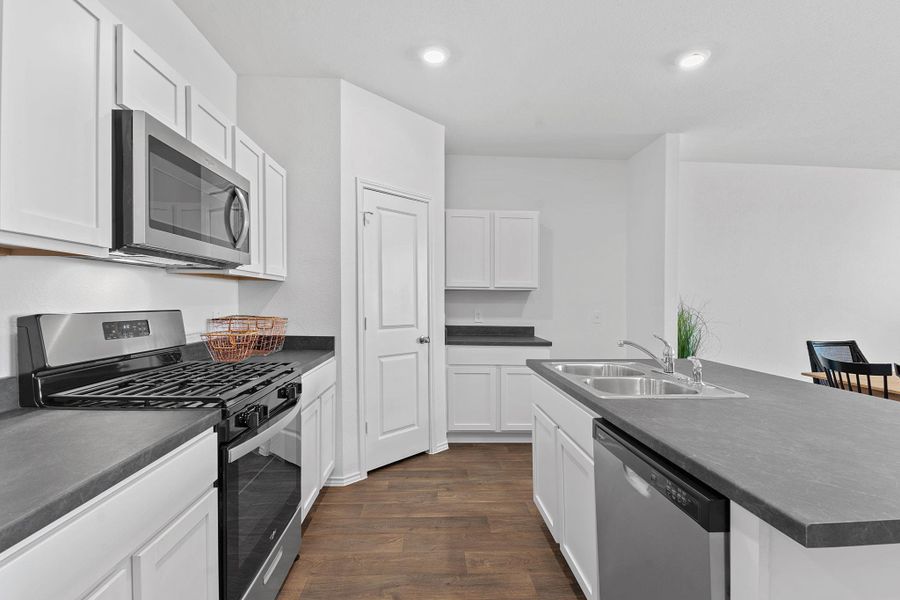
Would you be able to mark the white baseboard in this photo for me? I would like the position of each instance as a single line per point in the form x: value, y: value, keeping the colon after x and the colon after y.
x: 345, y: 480
x: 489, y: 437
x: 439, y: 448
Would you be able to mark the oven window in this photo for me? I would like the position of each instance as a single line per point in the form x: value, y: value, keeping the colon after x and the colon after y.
x: 189, y: 200
x: 261, y: 493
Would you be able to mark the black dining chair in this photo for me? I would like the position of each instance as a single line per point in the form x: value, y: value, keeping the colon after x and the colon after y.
x: 841, y: 375
x: 846, y: 351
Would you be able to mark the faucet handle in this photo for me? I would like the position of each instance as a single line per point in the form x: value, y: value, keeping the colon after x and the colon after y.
x: 669, y: 350
x: 696, y: 369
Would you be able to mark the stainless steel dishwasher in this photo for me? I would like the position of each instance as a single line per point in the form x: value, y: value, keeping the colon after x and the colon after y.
x: 661, y: 534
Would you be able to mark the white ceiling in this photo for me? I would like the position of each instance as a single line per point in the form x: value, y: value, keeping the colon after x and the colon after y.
x: 789, y: 81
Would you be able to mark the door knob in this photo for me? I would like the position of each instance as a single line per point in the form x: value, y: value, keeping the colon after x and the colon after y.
x: 424, y: 339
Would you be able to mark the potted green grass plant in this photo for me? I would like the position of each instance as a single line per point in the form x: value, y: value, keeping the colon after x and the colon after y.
x: 692, y: 330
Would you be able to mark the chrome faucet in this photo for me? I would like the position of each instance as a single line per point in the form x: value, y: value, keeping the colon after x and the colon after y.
x: 667, y: 363
x: 696, y: 370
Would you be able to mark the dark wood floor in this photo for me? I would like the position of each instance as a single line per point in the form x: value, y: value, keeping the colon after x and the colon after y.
x: 459, y: 524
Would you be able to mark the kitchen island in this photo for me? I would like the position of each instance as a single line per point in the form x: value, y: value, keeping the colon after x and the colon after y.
x: 811, y: 474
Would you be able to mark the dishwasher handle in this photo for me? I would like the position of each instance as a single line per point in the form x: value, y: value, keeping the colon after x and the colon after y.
x: 635, y: 481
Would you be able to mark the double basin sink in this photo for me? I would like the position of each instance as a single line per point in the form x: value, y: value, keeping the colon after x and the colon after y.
x: 609, y: 380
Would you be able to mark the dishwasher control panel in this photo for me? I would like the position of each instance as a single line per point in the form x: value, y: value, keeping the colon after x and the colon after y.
x: 675, y: 493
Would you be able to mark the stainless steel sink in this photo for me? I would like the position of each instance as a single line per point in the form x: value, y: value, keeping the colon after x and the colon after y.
x: 639, y: 386
x: 598, y: 369
x: 620, y: 380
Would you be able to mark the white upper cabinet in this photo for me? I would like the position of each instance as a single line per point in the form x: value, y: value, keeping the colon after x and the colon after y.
x: 468, y: 249
x: 146, y: 82
x: 208, y: 127
x: 492, y: 249
x: 249, y: 161
x: 516, y: 249
x: 275, y: 194
x: 56, y: 82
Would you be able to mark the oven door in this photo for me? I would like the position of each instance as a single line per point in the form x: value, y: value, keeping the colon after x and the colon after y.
x: 260, y: 507
x: 178, y: 201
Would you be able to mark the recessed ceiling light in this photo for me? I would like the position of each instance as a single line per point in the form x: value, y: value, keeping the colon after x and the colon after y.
x: 693, y: 60
x: 434, y: 56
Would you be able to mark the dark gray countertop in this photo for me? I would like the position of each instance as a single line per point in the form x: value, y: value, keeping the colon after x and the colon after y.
x: 54, y: 460
x: 818, y: 464
x: 492, y: 335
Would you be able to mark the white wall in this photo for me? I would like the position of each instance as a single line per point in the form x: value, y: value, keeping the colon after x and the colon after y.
x: 56, y: 284
x: 298, y: 122
x: 583, y: 209
x: 166, y: 29
x: 388, y: 144
x: 652, y: 275
x: 42, y: 284
x: 782, y: 254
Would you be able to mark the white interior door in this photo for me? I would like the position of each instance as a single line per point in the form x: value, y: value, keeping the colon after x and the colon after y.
x: 395, y: 280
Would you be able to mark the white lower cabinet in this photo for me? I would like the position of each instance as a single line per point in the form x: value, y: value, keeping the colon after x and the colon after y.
x: 310, y: 455
x: 563, y: 475
x: 153, y: 536
x: 117, y: 586
x: 544, y: 468
x: 329, y: 433
x: 472, y: 398
x: 578, y: 519
x: 489, y: 388
x: 182, y: 561
x: 317, y: 426
x: 515, y: 398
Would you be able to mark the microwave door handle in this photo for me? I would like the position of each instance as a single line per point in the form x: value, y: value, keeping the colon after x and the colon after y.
x: 245, y: 448
x: 245, y: 209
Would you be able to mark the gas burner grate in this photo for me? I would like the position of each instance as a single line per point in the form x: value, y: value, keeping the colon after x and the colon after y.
x: 194, y: 384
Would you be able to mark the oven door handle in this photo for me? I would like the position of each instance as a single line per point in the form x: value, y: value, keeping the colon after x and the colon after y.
x: 245, y: 448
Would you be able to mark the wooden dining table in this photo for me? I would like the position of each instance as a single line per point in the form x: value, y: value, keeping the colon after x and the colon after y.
x: 877, y: 384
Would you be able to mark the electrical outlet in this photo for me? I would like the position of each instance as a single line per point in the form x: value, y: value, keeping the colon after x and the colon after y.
x: 478, y: 316
x: 597, y: 317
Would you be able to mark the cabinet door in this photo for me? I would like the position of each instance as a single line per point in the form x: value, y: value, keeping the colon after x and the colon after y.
x: 182, y: 562
x: 516, y: 249
x: 472, y: 398
x: 56, y: 81
x: 116, y: 586
x: 275, y: 193
x: 208, y: 127
x: 578, y: 520
x: 310, y: 455
x: 544, y: 465
x: 515, y: 398
x: 248, y: 161
x: 328, y: 434
x: 144, y: 81
x: 468, y: 249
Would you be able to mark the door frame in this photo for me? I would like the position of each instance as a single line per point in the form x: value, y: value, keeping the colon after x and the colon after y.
x: 362, y: 185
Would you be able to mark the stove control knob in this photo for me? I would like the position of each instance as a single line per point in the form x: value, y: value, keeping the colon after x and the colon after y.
x: 248, y: 418
x: 289, y: 391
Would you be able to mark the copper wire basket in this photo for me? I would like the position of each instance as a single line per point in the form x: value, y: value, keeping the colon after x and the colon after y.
x: 236, y: 337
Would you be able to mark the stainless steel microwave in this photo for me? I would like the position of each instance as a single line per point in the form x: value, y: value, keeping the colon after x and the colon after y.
x: 174, y: 204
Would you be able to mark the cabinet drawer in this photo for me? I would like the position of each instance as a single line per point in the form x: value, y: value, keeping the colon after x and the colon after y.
x: 495, y: 355
x: 575, y: 420
x: 318, y: 380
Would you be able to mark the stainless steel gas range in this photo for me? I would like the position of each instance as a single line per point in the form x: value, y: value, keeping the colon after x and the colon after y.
x: 134, y: 361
